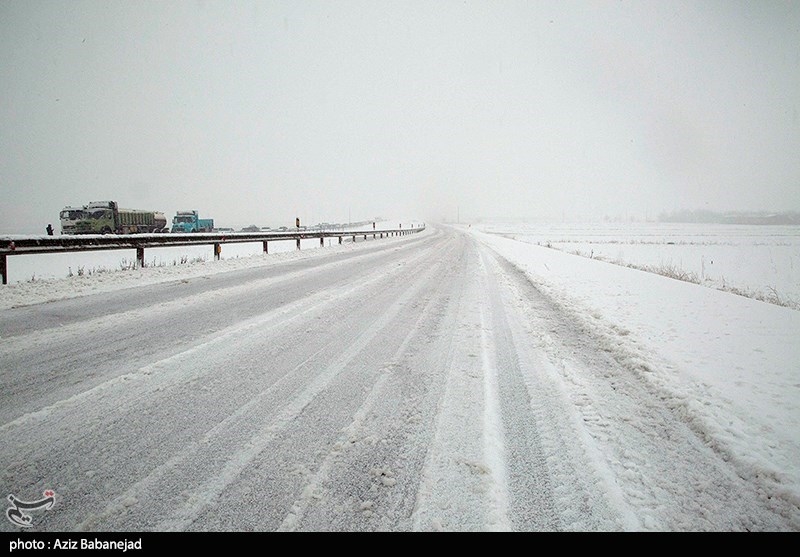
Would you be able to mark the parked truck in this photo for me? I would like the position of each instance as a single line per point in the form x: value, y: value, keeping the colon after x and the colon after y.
x: 105, y: 217
x: 190, y: 221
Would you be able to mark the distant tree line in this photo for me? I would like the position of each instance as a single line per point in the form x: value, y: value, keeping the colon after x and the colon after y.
x: 735, y: 217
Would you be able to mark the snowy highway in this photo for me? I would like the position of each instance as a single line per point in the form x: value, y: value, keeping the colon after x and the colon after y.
x: 420, y: 383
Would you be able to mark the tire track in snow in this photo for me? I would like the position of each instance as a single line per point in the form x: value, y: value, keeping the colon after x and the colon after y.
x: 102, y: 409
x: 50, y: 364
x: 464, y: 482
x: 548, y: 486
x: 212, y: 489
x: 354, y: 430
x: 102, y: 417
x: 369, y: 480
x: 529, y: 483
x: 497, y: 433
x: 494, y: 436
x: 278, y: 317
x: 378, y: 456
x: 654, y: 471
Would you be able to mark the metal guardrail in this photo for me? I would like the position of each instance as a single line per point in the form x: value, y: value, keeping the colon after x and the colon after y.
x: 96, y: 242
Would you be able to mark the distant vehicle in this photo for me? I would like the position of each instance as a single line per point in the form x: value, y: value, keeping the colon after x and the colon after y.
x: 251, y: 228
x: 105, y: 217
x: 190, y: 221
x: 224, y: 230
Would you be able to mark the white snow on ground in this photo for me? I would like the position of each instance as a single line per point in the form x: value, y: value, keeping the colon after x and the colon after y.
x: 732, y: 362
x: 464, y: 381
x: 760, y: 261
x: 48, y: 290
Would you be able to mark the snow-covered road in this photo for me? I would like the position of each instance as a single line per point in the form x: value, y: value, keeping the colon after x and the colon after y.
x: 419, y: 384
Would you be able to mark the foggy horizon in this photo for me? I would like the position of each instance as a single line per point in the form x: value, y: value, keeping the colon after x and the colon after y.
x: 259, y: 112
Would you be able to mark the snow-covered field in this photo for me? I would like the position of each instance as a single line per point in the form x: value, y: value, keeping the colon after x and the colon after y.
x: 456, y: 379
x: 758, y: 261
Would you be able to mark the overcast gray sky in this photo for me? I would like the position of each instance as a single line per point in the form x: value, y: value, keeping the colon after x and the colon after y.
x: 257, y: 112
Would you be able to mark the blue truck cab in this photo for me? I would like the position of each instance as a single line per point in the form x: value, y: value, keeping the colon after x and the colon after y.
x: 190, y: 221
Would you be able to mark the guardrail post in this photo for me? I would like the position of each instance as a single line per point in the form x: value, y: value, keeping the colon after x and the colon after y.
x: 365, y: 236
x: 217, y: 251
x: 3, y: 268
x: 354, y: 238
x: 322, y: 241
x: 140, y: 257
x: 298, y: 243
x: 265, y: 247
x: 340, y: 240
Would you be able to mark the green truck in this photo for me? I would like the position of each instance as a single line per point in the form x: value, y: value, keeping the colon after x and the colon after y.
x: 105, y: 217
